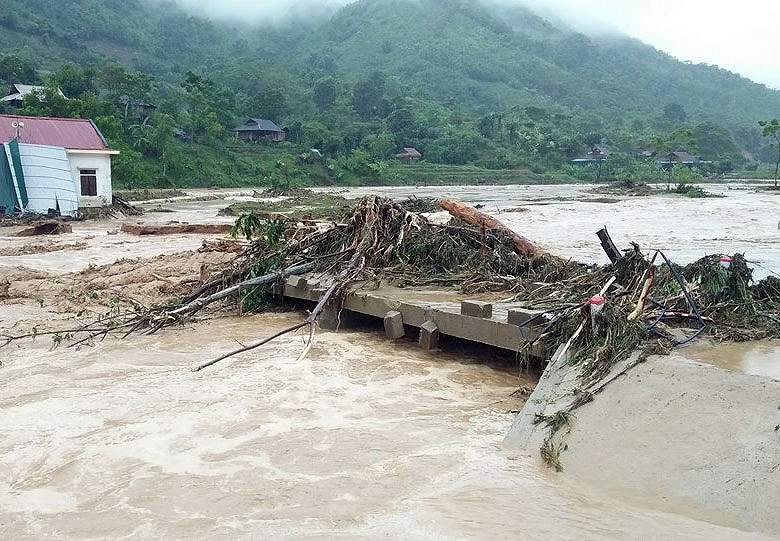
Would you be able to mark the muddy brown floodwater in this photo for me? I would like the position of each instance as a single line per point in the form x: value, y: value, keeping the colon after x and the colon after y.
x: 755, y: 358
x: 363, y: 439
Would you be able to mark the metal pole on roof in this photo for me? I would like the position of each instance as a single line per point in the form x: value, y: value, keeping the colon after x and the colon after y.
x: 18, y: 127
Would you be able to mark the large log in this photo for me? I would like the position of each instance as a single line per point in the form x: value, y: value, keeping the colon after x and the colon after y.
x: 470, y: 215
x: 612, y: 251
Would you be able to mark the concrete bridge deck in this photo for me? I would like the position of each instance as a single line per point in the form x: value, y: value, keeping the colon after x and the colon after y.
x: 485, y: 319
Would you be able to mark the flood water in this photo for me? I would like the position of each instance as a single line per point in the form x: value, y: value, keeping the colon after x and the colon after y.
x: 364, y: 439
x: 562, y: 218
x: 755, y: 358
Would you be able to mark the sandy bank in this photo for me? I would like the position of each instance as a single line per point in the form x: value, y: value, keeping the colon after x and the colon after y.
x: 683, y: 437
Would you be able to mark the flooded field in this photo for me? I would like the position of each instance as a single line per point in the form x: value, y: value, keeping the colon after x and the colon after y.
x: 364, y: 439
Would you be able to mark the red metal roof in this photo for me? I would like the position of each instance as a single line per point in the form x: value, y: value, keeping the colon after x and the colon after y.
x: 71, y: 133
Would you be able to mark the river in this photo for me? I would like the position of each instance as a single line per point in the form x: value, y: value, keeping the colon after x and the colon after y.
x: 364, y: 439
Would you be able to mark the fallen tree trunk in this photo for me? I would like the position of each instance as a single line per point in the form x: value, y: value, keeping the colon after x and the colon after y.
x: 199, y: 303
x: 472, y: 216
x: 640, y: 304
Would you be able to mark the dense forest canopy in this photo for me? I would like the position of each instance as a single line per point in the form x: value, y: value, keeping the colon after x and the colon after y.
x: 497, y: 88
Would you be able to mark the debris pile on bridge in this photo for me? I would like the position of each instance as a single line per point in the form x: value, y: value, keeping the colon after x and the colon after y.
x: 598, y: 314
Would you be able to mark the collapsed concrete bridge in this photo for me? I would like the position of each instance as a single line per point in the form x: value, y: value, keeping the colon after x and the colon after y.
x: 431, y: 313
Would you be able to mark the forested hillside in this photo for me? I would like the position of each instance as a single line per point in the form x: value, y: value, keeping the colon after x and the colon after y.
x: 455, y: 51
x: 497, y: 88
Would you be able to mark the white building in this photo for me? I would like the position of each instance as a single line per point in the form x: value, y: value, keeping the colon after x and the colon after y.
x: 87, y: 152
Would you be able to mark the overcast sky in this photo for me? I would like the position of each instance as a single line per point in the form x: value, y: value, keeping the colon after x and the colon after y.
x: 740, y: 36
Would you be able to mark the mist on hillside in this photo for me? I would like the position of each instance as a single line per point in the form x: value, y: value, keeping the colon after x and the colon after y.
x: 577, y: 15
x: 580, y: 16
x: 600, y: 18
x: 254, y: 11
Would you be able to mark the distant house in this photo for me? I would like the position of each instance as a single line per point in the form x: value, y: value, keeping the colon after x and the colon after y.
x: 679, y: 157
x: 409, y: 154
x: 597, y: 154
x: 137, y: 107
x: 18, y: 92
x: 53, y: 163
x: 644, y: 152
x: 132, y: 106
x: 183, y: 136
x: 257, y: 129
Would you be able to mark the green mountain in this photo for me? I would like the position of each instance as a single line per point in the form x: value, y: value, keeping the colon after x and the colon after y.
x: 456, y: 51
x: 465, y: 82
x: 453, y: 51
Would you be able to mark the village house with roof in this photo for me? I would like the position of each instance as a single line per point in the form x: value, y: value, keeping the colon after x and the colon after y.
x: 596, y: 154
x: 260, y: 129
x: 18, y: 92
x: 409, y: 154
x: 53, y: 163
x: 679, y: 157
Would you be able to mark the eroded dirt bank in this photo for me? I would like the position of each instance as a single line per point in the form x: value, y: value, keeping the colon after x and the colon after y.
x: 675, y: 434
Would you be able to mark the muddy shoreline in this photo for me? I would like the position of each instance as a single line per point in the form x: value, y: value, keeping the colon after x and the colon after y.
x: 711, y: 432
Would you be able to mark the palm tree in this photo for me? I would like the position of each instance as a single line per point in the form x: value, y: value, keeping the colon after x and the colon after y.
x: 771, y: 128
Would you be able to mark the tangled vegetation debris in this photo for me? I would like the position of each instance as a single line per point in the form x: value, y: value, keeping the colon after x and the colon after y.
x: 284, y: 191
x: 641, y: 189
x: 420, y: 204
x: 626, y: 188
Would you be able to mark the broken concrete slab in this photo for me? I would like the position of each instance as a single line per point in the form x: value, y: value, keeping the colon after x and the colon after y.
x: 370, y: 304
x: 416, y: 309
x: 297, y: 287
x: 394, y: 325
x: 298, y: 282
x: 525, y: 433
x: 329, y: 319
x: 477, y: 309
x: 414, y: 314
x: 429, y: 336
x: 482, y: 330
x: 521, y: 316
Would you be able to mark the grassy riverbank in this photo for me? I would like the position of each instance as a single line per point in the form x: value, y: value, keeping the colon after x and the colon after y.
x: 239, y: 164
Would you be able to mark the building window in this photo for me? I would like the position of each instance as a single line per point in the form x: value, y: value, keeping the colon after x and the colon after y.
x: 88, y: 181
